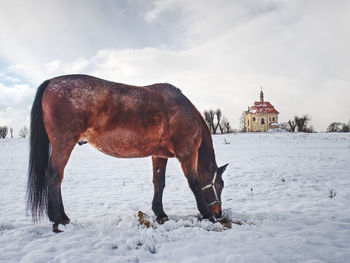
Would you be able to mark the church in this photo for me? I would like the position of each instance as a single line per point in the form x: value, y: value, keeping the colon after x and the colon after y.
x: 262, y: 116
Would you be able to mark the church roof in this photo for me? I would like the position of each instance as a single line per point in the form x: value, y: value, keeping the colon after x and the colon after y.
x: 262, y: 107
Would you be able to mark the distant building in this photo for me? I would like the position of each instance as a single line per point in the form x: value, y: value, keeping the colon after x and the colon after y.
x: 262, y: 116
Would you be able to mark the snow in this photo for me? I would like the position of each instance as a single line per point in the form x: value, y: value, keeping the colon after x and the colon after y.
x: 277, y: 130
x: 278, y: 185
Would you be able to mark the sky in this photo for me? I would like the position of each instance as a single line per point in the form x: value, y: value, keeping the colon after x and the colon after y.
x: 219, y: 53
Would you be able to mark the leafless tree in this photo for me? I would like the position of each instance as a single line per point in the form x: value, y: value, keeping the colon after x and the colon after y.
x: 23, y: 133
x: 299, y: 124
x: 3, y: 132
x: 334, y: 127
x: 216, y: 120
x: 302, y: 122
x: 243, y: 122
x: 225, y: 126
x: 345, y: 128
x: 338, y: 127
x: 291, y: 126
x: 209, y: 118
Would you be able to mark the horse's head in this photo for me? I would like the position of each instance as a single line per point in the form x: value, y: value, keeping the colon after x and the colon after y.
x: 212, y: 191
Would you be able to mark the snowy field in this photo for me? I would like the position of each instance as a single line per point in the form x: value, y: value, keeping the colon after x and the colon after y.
x: 277, y: 185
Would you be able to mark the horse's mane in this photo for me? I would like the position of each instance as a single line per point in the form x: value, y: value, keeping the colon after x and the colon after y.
x: 206, y: 155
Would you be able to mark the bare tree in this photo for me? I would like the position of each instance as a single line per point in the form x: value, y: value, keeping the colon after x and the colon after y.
x: 3, y: 132
x: 302, y: 122
x: 334, y: 127
x: 299, y: 124
x: 243, y: 122
x: 209, y: 118
x: 216, y: 120
x: 292, y: 125
x: 225, y: 126
x: 338, y: 127
x: 345, y: 128
x: 23, y: 133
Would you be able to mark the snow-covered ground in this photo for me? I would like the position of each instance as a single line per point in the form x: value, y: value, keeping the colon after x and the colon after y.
x: 278, y: 185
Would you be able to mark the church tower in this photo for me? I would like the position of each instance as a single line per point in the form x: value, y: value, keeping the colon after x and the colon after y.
x: 261, y: 95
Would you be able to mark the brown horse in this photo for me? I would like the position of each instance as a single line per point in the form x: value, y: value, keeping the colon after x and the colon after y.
x: 122, y: 121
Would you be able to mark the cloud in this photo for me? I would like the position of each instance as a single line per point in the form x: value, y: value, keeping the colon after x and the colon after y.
x: 43, y: 31
x: 218, y: 52
x: 77, y: 65
x: 160, y: 7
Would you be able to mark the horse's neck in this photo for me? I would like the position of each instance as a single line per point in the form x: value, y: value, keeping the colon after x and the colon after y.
x: 206, y: 157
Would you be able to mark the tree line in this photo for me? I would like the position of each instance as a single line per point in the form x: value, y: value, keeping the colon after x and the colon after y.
x: 298, y: 124
x: 338, y: 127
x: 23, y: 132
x: 217, y: 122
x: 302, y: 124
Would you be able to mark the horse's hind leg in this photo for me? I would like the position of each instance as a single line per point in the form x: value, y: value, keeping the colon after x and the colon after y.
x: 55, y: 211
x: 159, y: 166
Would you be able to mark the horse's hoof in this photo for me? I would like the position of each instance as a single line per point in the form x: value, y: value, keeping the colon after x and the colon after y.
x: 162, y: 220
x: 55, y: 228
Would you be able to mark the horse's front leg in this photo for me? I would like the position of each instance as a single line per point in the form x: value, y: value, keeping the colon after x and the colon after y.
x: 159, y: 166
x: 189, y: 166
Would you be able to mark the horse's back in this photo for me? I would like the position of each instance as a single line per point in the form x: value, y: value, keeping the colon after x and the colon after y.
x: 118, y: 119
x: 83, y: 90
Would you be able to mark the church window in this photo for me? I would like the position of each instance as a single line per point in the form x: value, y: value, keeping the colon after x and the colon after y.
x: 262, y: 121
x: 253, y: 118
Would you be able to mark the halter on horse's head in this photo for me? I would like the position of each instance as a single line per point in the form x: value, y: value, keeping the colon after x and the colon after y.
x: 212, y: 191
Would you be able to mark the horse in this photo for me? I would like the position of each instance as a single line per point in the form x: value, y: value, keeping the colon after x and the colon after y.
x: 123, y: 121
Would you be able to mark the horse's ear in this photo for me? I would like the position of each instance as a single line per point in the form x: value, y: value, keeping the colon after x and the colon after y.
x: 222, y: 169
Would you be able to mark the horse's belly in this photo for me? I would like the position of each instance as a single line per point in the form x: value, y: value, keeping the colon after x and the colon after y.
x: 129, y: 144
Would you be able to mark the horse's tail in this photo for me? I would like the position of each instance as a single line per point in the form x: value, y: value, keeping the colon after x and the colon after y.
x: 37, y: 195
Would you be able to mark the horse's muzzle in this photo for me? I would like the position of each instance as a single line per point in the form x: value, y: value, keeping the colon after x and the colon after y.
x: 216, y: 210
x: 218, y: 215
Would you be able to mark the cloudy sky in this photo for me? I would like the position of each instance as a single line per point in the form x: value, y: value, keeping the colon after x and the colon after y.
x: 219, y: 53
